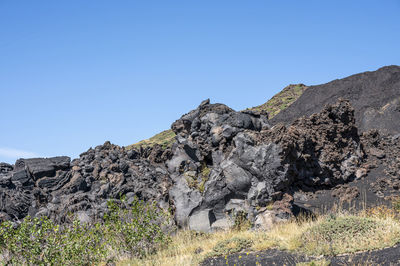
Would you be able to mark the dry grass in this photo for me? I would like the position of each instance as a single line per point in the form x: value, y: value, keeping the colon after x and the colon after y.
x: 322, y: 262
x: 349, y: 234
x: 282, y: 100
x: 325, y: 235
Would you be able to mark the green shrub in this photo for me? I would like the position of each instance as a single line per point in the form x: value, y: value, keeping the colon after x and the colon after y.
x: 134, y: 230
x: 337, y: 234
x: 241, y: 222
x: 230, y: 246
x: 322, y: 262
x: 396, y: 204
x: 39, y: 241
x: 139, y: 228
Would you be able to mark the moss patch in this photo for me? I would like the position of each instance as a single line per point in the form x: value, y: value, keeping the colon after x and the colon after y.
x: 165, y: 139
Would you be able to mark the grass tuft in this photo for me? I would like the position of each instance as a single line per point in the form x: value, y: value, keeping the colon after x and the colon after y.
x: 282, y: 100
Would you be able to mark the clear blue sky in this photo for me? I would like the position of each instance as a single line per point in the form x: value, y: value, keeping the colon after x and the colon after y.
x: 74, y: 74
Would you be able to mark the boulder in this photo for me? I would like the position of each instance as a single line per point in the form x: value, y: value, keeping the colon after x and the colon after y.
x: 202, y: 221
x: 40, y: 167
x: 249, y: 166
x: 223, y: 224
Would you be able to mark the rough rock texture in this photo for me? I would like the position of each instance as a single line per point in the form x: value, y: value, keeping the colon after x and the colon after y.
x: 384, y: 150
x: 58, y: 188
x: 225, y: 164
x: 374, y: 95
x: 229, y: 162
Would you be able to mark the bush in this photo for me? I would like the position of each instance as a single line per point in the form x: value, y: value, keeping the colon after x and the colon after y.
x: 241, y: 222
x: 396, y: 204
x: 230, y: 246
x: 336, y: 235
x: 39, y: 241
x: 135, y: 230
x: 139, y: 228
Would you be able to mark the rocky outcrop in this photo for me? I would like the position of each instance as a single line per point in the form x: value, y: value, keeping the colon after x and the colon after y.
x: 59, y: 188
x: 227, y: 162
x: 223, y: 164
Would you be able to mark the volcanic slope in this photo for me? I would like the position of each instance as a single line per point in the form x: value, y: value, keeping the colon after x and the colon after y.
x: 374, y: 95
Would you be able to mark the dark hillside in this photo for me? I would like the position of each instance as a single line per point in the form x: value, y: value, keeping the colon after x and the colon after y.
x: 374, y: 95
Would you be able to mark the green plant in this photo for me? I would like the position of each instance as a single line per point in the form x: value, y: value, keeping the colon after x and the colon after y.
x: 241, y: 222
x: 198, y: 181
x: 39, y: 241
x: 396, y: 204
x: 139, y: 228
x: 322, y: 262
x: 230, y: 246
x: 205, y: 173
x: 334, y: 234
x: 134, y: 229
x: 165, y: 139
x: 282, y: 100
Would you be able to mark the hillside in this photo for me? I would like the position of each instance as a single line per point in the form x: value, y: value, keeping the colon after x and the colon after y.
x: 375, y: 96
x: 282, y: 100
x: 331, y: 157
x: 277, y: 103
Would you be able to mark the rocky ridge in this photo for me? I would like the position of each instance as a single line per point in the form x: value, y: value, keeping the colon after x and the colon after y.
x: 375, y: 96
x: 223, y: 163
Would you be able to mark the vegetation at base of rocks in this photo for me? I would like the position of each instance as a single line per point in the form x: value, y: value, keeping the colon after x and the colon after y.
x: 281, y: 100
x: 230, y: 246
x: 374, y: 229
x: 396, y: 204
x: 131, y: 231
x: 165, y: 139
x: 198, y: 181
x: 241, y: 222
x: 322, y: 262
x: 336, y: 235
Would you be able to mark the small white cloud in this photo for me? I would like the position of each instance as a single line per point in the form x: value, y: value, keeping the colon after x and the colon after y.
x: 16, y: 154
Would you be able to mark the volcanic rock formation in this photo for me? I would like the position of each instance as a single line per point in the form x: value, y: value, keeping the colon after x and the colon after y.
x: 226, y: 163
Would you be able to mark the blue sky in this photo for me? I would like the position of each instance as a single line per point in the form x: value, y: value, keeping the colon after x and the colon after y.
x: 74, y: 74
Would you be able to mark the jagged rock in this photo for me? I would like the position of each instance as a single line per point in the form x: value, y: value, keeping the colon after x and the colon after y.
x: 21, y: 178
x: 40, y: 167
x: 5, y: 168
x: 56, y: 187
x: 256, y: 165
x: 222, y: 163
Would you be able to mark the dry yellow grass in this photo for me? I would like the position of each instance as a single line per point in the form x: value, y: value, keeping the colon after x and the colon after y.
x: 188, y: 248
